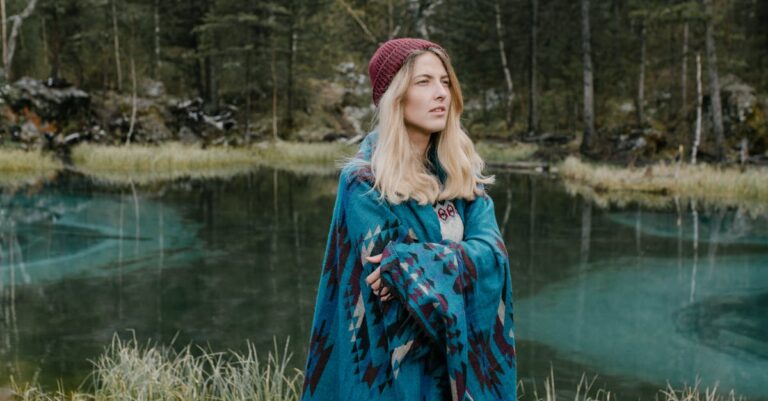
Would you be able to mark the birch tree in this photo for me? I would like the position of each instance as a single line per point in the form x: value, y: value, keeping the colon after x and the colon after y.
x: 641, y: 77
x: 684, y: 72
x: 714, y: 84
x: 116, y: 41
x: 4, y: 37
x: 504, y: 66
x: 17, y: 19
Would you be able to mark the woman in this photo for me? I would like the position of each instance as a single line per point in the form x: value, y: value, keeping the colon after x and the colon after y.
x: 415, y: 296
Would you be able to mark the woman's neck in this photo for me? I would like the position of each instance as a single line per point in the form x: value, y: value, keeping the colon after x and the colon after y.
x: 420, y: 141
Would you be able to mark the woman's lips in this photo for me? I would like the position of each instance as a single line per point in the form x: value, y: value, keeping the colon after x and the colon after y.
x: 438, y: 110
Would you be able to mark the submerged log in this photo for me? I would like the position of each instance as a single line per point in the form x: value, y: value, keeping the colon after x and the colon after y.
x: 522, y: 165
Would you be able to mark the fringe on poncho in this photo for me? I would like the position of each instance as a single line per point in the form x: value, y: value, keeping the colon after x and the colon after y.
x: 448, y: 333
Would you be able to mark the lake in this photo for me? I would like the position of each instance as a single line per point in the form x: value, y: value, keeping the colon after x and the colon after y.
x: 636, y: 296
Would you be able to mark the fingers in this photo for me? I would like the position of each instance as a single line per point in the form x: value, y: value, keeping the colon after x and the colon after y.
x: 381, y: 291
x: 374, y: 259
x: 371, y: 278
x: 374, y: 280
x: 385, y: 294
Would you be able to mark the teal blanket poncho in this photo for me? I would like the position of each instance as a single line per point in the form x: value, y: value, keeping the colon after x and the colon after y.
x: 448, y: 332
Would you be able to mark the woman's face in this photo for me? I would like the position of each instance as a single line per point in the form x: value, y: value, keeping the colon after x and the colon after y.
x: 428, y: 98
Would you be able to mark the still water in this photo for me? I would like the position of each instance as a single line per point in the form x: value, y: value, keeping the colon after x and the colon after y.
x: 637, y: 297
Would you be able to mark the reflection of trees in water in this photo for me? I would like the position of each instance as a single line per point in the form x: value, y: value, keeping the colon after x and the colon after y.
x: 11, y: 263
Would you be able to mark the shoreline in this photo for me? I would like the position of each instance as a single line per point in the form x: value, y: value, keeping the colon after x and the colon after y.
x: 659, y: 185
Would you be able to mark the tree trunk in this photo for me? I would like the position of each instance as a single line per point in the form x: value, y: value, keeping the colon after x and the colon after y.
x: 211, y: 83
x: 714, y: 84
x: 292, y: 39
x: 616, y: 19
x: 248, y: 101
x: 641, y: 79
x: 697, y: 132
x: 45, y: 42
x: 422, y: 10
x: 533, y: 95
x: 589, y: 124
x: 18, y: 19
x: 274, y: 95
x: 117, y: 47
x: 360, y: 23
x: 4, y: 36
x: 422, y: 27
x: 133, y: 102
x: 156, y: 70
x: 504, y: 66
x: 684, y: 73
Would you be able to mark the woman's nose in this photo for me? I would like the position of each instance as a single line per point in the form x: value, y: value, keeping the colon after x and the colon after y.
x: 441, y: 92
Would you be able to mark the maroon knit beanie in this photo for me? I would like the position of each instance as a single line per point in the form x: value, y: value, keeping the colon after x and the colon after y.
x: 389, y: 58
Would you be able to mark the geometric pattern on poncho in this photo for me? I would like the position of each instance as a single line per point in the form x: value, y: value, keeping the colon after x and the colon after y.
x: 448, y: 333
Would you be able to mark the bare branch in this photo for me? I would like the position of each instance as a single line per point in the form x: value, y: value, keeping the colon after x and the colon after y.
x: 17, y: 21
x: 359, y: 21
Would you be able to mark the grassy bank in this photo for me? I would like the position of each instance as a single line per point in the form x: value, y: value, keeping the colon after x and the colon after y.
x: 661, y: 183
x: 145, y: 163
x: 128, y: 371
x: 500, y: 153
x: 19, y: 166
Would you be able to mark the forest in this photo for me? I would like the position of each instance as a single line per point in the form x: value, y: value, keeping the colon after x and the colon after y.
x: 621, y: 78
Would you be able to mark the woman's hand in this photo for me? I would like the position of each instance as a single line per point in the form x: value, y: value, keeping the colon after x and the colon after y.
x: 374, y: 280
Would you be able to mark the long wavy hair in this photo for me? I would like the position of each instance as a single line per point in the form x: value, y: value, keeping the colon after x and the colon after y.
x: 400, y: 173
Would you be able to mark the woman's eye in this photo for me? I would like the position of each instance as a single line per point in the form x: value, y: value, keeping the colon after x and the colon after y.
x: 447, y: 83
x: 422, y: 82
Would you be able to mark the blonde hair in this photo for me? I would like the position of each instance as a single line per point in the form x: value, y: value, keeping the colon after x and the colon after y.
x: 399, y: 171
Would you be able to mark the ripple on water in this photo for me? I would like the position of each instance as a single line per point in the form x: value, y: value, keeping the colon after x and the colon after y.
x: 653, y: 320
x: 50, y: 237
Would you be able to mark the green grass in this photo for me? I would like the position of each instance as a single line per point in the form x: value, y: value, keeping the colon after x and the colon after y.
x: 19, y: 167
x: 129, y: 371
x: 660, y: 184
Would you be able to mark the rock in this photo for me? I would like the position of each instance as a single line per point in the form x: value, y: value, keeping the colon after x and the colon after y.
x: 743, y: 115
x: 152, y: 89
x: 50, y: 103
x: 113, y: 110
x: 191, y: 113
x: 187, y: 136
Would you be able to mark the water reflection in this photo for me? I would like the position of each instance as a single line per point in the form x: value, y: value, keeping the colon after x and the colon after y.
x: 626, y: 315
x: 618, y: 292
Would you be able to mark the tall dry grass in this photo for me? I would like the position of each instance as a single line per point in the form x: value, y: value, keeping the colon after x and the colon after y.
x: 128, y: 371
x: 18, y: 166
x: 709, y: 184
x: 505, y: 152
x: 144, y: 164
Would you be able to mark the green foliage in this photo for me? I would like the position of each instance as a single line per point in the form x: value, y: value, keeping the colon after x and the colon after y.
x: 244, y: 52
